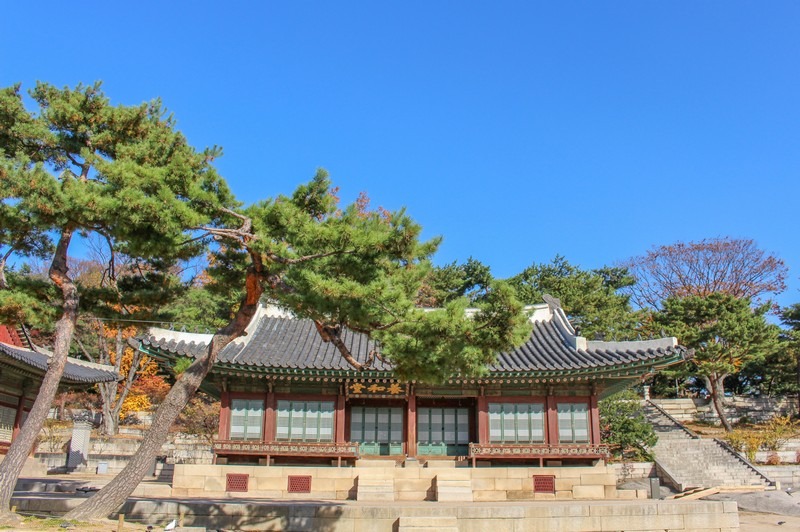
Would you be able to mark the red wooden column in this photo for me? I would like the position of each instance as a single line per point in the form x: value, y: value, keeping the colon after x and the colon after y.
x: 411, y: 432
x: 552, y: 420
x: 594, y: 419
x: 269, y: 416
x: 18, y: 417
x: 483, y: 419
x: 339, y: 436
x: 225, y: 416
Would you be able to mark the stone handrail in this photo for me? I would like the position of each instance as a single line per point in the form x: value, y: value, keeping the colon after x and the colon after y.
x: 725, y: 445
x: 665, y: 474
x: 675, y: 421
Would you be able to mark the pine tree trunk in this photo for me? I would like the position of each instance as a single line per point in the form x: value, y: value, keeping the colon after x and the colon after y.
x: 116, y: 492
x: 716, y: 386
x: 23, y: 444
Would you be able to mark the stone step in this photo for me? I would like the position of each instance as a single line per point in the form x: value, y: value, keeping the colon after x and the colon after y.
x: 375, y: 489
x: 453, y: 490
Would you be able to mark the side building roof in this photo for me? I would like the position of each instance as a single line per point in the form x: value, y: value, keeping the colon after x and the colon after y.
x: 27, y: 361
x: 276, y: 342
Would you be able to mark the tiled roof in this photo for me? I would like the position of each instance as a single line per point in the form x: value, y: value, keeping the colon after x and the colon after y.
x: 548, y: 349
x: 282, y: 342
x: 276, y: 342
x: 75, y: 372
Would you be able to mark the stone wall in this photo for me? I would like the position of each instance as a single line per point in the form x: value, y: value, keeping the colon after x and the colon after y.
x: 411, y: 483
x: 632, y: 470
x: 757, y: 409
x: 787, y: 475
x: 576, y: 516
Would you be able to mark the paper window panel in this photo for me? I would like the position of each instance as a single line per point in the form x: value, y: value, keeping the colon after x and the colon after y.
x: 357, y: 423
x: 297, y: 421
x: 537, y: 423
x: 282, y: 420
x: 326, y: 422
x: 255, y: 419
x: 462, y: 426
x: 523, y: 426
x: 6, y: 422
x: 580, y: 422
x: 396, y: 424
x: 565, y: 422
x: 449, y: 426
x: 311, y: 425
x: 423, y: 425
x: 509, y: 425
x: 495, y: 422
x: 238, y: 419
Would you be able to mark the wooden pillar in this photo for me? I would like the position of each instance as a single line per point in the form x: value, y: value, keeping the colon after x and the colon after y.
x: 594, y: 420
x: 225, y: 416
x: 18, y: 416
x: 269, y: 416
x: 483, y: 419
x: 411, y: 420
x: 552, y: 419
x: 339, y: 436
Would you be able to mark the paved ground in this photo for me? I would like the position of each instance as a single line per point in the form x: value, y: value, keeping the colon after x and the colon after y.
x: 766, y: 510
x: 755, y: 522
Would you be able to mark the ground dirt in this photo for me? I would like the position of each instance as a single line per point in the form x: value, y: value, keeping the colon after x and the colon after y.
x: 54, y: 523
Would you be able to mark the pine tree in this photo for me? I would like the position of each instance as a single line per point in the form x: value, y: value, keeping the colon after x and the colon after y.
x: 78, y: 165
x: 344, y: 268
x: 725, y: 333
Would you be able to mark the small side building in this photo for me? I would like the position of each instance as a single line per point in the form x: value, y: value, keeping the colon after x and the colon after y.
x: 22, y: 367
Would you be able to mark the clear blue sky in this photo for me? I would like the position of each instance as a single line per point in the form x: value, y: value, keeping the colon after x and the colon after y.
x: 517, y: 130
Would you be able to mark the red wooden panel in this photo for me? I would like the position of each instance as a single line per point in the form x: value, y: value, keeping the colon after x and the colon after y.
x: 299, y: 484
x: 544, y: 484
x: 236, y: 482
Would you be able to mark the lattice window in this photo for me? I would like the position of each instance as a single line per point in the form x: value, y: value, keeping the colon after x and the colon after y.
x: 516, y: 422
x: 305, y: 421
x: 247, y: 416
x: 299, y: 484
x: 443, y: 424
x: 7, y: 416
x: 544, y: 484
x: 376, y: 424
x: 573, y: 422
x: 236, y: 482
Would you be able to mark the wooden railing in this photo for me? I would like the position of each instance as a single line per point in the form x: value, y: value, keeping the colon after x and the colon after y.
x: 504, y: 451
x: 268, y: 450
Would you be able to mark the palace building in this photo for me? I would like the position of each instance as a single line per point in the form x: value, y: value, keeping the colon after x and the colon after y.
x: 288, y: 397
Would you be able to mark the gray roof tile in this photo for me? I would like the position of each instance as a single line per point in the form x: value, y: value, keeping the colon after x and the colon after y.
x: 75, y: 372
x: 285, y: 342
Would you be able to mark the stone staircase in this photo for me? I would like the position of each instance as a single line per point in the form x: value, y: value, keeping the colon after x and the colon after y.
x: 686, y: 461
x: 375, y: 489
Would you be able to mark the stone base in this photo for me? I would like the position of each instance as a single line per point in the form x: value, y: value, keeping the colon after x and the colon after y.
x: 697, y: 516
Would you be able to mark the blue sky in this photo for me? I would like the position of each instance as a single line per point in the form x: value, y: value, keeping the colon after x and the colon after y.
x: 517, y: 130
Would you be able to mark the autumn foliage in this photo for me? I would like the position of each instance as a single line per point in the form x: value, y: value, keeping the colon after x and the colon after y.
x: 736, y: 267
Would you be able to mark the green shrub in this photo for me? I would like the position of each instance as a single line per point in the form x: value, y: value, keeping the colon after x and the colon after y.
x: 624, y: 428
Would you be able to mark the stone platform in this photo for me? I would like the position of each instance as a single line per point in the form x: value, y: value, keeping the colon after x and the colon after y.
x: 354, y: 516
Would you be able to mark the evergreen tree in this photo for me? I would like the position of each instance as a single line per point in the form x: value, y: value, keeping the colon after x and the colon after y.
x: 590, y: 298
x: 725, y: 333
x: 624, y: 428
x: 343, y: 268
x: 78, y: 165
